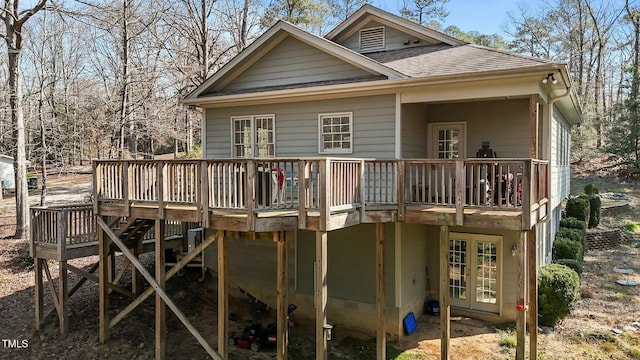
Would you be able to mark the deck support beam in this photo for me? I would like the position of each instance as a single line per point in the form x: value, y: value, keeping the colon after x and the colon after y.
x: 103, y: 271
x: 63, y: 314
x: 381, y: 338
x: 533, y: 293
x: 521, y: 314
x: 321, y: 294
x: 39, y: 293
x: 161, y: 309
x: 445, y: 307
x: 223, y: 296
x: 282, y: 291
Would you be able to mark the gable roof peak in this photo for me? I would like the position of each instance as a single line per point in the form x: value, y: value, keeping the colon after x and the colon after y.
x: 279, y: 31
x: 369, y: 11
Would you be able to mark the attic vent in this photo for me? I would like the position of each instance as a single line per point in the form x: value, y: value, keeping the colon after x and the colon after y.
x: 372, y: 39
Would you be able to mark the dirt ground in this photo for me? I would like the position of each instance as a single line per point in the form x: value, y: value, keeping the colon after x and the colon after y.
x: 603, y: 327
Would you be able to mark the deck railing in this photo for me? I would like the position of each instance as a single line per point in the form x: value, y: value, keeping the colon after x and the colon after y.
x: 60, y: 227
x: 325, y: 184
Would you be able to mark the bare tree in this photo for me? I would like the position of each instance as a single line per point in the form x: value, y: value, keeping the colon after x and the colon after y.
x: 14, y: 20
x: 421, y: 11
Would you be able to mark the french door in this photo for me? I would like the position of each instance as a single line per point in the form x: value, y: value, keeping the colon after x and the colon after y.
x: 475, y: 268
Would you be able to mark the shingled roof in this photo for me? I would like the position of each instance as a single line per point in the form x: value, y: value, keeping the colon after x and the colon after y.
x: 442, y: 59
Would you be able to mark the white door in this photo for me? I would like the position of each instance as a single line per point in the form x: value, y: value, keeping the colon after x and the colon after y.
x: 447, y: 140
x: 475, y: 271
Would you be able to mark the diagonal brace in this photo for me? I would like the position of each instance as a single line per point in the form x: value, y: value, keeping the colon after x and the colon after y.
x: 174, y: 270
x: 154, y: 284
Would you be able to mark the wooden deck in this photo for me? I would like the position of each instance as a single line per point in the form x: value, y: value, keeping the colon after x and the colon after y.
x: 68, y: 232
x: 325, y: 193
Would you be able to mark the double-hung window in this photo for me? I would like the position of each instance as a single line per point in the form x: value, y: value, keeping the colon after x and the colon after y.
x: 253, y: 136
x: 336, y: 133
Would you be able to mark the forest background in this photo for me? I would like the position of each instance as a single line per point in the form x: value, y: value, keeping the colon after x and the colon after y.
x: 103, y: 79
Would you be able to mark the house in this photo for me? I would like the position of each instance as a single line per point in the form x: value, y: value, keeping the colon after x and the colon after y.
x: 365, y: 173
x: 7, y: 173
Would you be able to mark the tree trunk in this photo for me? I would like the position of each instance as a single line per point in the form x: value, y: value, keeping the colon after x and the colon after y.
x: 19, y: 153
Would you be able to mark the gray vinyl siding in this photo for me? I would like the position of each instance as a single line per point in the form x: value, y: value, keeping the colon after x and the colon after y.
x: 351, y: 264
x: 394, y: 38
x: 294, y: 62
x: 414, y: 131
x: 504, y: 123
x: 560, y: 159
x: 252, y: 263
x: 296, y: 126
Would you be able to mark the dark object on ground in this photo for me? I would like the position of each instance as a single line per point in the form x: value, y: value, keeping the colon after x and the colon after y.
x: 255, y: 336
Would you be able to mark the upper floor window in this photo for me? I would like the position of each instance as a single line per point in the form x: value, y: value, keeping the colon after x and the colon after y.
x: 372, y: 39
x: 253, y: 136
x: 336, y: 132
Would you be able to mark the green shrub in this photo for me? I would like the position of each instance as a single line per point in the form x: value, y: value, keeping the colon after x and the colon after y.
x: 573, y: 234
x: 590, y: 190
x: 575, y: 265
x: 564, y: 248
x: 579, y: 208
x: 595, y: 205
x: 558, y: 293
x: 573, y: 223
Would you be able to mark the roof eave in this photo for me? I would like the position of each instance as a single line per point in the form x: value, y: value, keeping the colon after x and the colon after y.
x: 369, y: 86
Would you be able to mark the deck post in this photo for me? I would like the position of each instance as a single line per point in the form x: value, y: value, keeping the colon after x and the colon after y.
x: 460, y: 187
x: 533, y: 293
x: 521, y: 315
x: 250, y: 189
x: 112, y: 267
x: 321, y: 294
x: 381, y: 339
x: 125, y: 188
x: 303, y: 175
x: 39, y: 293
x: 63, y: 314
x: 204, y: 189
x: 161, y: 308
x: 324, y: 186
x: 283, y: 287
x: 445, y: 307
x: 400, y: 184
x: 160, y: 188
x: 103, y: 251
x: 533, y: 126
x: 223, y: 298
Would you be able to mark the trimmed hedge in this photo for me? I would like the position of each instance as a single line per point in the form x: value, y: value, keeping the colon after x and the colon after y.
x: 573, y: 234
x: 595, y: 205
x: 564, y: 248
x: 575, y: 265
x: 558, y: 293
x: 579, y: 208
x: 573, y: 223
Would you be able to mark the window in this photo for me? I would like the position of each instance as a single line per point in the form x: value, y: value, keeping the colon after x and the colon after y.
x: 253, y: 136
x: 447, y: 140
x: 372, y: 39
x: 335, y: 133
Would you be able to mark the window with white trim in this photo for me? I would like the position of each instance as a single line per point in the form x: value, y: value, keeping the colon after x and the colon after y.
x: 253, y: 136
x: 336, y: 133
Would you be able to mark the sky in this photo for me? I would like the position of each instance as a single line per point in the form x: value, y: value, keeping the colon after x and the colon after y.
x: 484, y: 16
